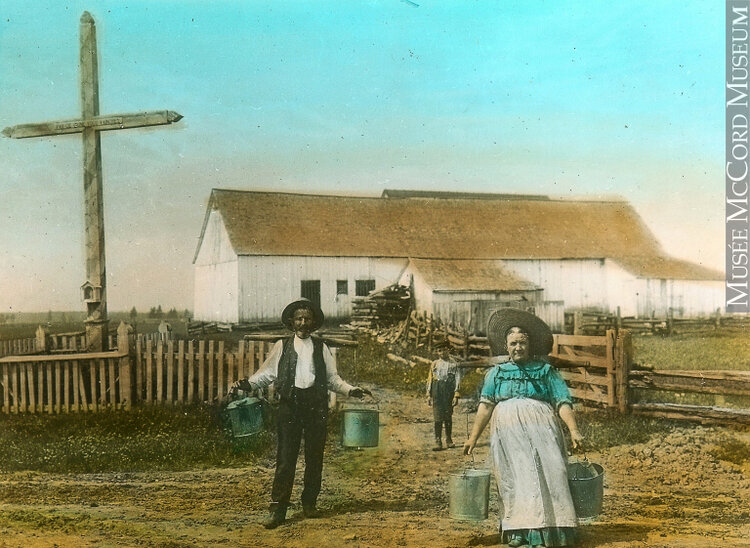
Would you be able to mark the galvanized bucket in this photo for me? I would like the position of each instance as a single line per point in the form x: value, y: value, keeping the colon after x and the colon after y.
x: 360, y: 427
x: 245, y: 416
x: 586, y: 481
x: 469, y: 494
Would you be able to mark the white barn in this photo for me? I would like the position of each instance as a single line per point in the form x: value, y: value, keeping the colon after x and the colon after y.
x: 259, y: 250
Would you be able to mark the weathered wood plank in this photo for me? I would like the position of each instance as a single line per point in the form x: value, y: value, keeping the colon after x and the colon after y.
x: 699, y: 413
x: 191, y: 372
x: 58, y: 388
x: 66, y: 386
x: 14, y: 384
x: 159, y: 371
x: 149, y: 371
x: 170, y: 371
x: 50, y: 407
x: 139, y: 368
x: 92, y: 383
x: 211, y: 358
x: 112, y: 384
x: 6, y: 389
x: 586, y: 378
x: 32, y: 387
x: 76, y: 388
x: 588, y: 395
x: 220, y: 371
x: 82, y: 390
x: 102, y: 384
x: 580, y: 340
x: 181, y: 371
x: 695, y: 382
x: 201, y: 371
x: 99, y: 123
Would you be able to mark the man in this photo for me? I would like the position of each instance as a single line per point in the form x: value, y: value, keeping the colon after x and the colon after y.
x: 304, y: 370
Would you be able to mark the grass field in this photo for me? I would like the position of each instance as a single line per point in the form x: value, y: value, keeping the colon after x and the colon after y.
x: 711, y: 350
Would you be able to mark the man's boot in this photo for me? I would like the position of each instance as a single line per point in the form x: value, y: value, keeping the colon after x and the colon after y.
x: 276, y: 517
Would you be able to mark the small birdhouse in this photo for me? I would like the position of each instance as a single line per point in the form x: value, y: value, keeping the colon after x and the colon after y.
x: 91, y: 293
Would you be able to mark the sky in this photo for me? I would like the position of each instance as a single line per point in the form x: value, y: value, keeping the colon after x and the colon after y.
x: 568, y: 99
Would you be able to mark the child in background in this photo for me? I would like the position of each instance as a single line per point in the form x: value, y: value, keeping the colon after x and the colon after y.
x: 442, y: 394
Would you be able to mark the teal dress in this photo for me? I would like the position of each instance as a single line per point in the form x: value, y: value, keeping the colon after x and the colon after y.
x: 528, y: 453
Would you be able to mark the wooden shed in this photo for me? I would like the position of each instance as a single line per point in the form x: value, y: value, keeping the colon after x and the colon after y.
x: 259, y: 250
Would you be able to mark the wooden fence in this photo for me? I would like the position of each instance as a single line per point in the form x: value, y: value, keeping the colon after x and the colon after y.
x: 585, y: 323
x: 140, y: 370
x: 721, y: 383
x: 596, y: 368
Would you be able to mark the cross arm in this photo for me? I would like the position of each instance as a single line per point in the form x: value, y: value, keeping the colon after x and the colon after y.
x: 100, y: 123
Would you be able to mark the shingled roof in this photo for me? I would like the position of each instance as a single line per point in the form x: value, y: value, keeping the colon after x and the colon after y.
x: 274, y: 223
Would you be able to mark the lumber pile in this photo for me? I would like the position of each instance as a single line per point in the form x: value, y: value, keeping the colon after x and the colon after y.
x: 381, y: 308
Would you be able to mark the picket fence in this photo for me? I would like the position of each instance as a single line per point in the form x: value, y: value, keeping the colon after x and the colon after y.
x: 140, y: 369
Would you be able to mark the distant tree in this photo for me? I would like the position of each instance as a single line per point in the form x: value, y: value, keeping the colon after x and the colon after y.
x: 172, y: 314
x: 49, y: 316
x: 64, y: 318
x: 152, y: 312
x: 159, y: 312
x: 133, y: 314
x: 187, y: 315
x: 2, y: 318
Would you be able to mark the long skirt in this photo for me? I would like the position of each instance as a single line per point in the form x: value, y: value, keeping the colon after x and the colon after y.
x: 530, y: 467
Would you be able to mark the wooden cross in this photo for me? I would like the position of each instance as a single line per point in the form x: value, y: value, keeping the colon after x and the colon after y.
x: 89, y: 125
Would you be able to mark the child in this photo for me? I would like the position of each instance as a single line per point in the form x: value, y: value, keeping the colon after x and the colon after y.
x: 442, y: 394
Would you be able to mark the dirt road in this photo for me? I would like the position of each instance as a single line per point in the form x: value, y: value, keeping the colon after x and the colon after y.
x: 668, y: 492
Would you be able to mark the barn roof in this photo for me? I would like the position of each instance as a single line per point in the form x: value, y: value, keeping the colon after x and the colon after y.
x: 667, y: 268
x: 461, y: 227
x: 469, y: 275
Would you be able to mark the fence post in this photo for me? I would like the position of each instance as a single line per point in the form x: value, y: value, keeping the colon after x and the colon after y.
x: 42, y: 340
x: 123, y: 344
x: 578, y: 323
x: 611, y: 345
x: 623, y: 357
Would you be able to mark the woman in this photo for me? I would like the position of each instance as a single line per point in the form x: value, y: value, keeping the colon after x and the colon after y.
x: 523, y: 399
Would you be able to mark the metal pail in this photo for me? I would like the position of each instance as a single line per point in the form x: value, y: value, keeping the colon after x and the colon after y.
x: 245, y: 416
x: 586, y: 481
x: 360, y: 428
x: 469, y: 494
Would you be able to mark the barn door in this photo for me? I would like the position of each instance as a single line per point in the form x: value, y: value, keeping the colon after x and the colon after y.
x: 311, y: 290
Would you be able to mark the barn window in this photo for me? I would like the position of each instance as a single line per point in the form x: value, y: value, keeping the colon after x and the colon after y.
x: 310, y: 289
x: 342, y: 287
x: 363, y: 287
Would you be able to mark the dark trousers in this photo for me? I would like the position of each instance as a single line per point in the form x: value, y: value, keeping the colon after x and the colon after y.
x: 442, y: 407
x: 303, y: 415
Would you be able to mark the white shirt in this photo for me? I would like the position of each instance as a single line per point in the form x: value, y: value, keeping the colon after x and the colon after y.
x: 305, y: 374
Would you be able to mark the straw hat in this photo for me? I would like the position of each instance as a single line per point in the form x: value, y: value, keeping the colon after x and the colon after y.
x: 503, y: 319
x: 288, y: 313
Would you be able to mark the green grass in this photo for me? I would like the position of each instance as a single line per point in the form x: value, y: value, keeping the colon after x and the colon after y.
x: 709, y: 350
x: 145, y: 438
x: 607, y: 428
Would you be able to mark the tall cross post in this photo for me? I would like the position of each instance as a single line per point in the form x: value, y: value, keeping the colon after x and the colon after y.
x: 89, y: 126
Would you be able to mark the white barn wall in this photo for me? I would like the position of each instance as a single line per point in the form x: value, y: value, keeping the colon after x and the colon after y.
x: 216, y: 275
x: 580, y: 283
x: 686, y: 298
x: 623, y: 289
x: 268, y: 283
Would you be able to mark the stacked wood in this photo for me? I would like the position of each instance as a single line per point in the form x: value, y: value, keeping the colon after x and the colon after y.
x: 382, y: 308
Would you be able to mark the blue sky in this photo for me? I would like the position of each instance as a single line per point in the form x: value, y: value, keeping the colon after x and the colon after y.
x: 561, y: 98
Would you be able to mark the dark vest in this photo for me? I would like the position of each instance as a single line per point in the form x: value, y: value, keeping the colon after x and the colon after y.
x: 288, y: 371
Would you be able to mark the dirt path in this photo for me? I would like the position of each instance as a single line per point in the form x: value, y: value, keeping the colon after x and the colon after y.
x: 667, y: 492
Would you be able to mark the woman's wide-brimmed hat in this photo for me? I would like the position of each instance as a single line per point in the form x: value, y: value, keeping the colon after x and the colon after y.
x: 503, y: 319
x: 288, y: 313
